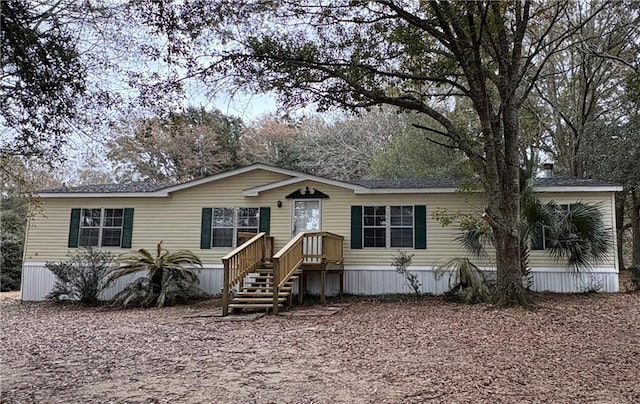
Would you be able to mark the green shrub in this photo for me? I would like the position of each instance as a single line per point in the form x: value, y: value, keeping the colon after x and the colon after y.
x: 11, y: 271
x: 401, y: 262
x: 635, y: 276
x: 82, y: 278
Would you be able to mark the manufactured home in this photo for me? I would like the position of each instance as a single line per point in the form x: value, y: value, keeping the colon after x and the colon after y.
x: 336, y: 235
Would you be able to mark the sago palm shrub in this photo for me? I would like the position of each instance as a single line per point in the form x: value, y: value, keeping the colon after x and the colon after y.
x: 170, y: 277
x: 468, y: 284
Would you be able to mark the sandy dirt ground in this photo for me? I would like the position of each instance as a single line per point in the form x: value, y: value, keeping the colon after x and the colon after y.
x: 580, y: 348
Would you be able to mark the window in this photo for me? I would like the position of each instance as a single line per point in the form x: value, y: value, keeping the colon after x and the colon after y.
x: 222, y: 227
x: 101, y: 227
x: 542, y: 237
x: 226, y: 223
x: 402, y: 226
x: 248, y: 220
x: 383, y: 227
x: 374, y: 226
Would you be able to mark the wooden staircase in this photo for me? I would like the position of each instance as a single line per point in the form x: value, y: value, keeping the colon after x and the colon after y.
x: 256, y: 292
x: 265, y: 280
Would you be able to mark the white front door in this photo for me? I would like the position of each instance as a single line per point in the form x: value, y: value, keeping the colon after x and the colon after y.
x: 307, y: 216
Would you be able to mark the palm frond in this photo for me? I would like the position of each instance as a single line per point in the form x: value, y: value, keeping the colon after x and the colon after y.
x: 170, y: 276
x: 474, y: 241
x: 466, y: 281
x: 579, y: 236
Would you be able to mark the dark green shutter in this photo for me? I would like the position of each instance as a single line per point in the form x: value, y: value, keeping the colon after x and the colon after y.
x: 356, y: 227
x: 265, y: 220
x: 127, y: 228
x: 537, y: 237
x: 74, y: 228
x: 420, y: 226
x: 205, y: 230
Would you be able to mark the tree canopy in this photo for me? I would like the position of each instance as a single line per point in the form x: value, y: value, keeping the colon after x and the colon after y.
x: 181, y: 147
x: 42, y: 79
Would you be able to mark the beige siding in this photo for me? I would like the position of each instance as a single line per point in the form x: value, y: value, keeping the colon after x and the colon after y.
x: 336, y: 216
x: 176, y: 220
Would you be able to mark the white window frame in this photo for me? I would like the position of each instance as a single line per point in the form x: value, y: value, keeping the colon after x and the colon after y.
x: 387, y: 225
x: 236, y: 228
x: 402, y: 226
x: 100, y: 227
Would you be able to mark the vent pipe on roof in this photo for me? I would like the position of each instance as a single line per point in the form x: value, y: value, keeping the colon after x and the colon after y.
x: 547, y: 170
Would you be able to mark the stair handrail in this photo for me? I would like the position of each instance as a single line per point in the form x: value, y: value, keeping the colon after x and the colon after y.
x: 240, y: 262
x: 285, y: 263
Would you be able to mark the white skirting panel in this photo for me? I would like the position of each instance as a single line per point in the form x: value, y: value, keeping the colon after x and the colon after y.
x: 37, y: 282
x: 383, y: 280
x: 597, y: 280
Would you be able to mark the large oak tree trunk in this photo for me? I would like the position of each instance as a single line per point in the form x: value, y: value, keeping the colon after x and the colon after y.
x: 635, y: 227
x: 503, y: 189
x: 505, y: 220
x: 621, y: 199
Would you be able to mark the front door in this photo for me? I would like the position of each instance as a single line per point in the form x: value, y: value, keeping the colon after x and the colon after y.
x: 307, y: 216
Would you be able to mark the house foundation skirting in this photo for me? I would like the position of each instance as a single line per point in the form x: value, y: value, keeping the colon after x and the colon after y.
x: 37, y: 281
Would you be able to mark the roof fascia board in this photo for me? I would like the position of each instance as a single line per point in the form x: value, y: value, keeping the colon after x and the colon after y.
x: 228, y: 174
x: 600, y: 188
x: 103, y: 195
x: 407, y: 191
x: 592, y: 188
x: 299, y: 177
x: 165, y: 192
x: 256, y: 191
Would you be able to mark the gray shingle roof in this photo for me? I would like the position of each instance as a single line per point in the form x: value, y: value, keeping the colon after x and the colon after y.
x: 571, y: 182
x: 453, y: 183
x: 416, y: 183
x: 141, y: 186
x: 407, y: 183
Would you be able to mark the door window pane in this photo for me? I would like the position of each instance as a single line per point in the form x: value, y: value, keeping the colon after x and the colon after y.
x: 306, y: 216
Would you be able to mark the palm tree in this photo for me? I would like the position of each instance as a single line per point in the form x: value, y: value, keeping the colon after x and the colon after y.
x: 170, y: 277
x: 572, y: 233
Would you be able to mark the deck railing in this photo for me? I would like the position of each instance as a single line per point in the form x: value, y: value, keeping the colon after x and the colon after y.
x: 243, y: 260
x: 322, y: 247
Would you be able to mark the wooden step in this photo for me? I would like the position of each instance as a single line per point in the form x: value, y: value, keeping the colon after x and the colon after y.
x: 255, y: 288
x: 260, y: 283
x: 260, y: 294
x: 256, y: 299
x: 252, y: 306
x: 263, y: 278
